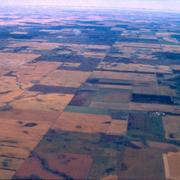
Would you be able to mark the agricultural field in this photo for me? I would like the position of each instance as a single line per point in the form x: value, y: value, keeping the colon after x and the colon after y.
x: 89, y: 95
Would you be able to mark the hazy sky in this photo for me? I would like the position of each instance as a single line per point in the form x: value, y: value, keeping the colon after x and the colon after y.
x: 165, y: 5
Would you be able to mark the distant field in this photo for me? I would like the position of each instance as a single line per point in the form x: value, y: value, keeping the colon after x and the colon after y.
x: 89, y: 94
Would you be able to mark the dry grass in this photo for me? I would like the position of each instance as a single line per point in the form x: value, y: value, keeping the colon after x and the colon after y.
x: 13, y: 60
x: 171, y: 165
x: 27, y: 74
x: 12, y: 163
x: 6, y: 174
x: 90, y: 123
x: 87, y: 123
x: 44, y: 102
x: 8, y: 85
x: 65, y: 78
x: 70, y: 164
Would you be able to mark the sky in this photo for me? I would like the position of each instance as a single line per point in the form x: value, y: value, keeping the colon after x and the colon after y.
x: 163, y: 5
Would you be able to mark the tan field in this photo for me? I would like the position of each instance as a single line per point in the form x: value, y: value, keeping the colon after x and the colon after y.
x: 83, y: 122
x: 171, y: 165
x: 27, y: 74
x: 93, y: 54
x: 66, y: 78
x: 125, y: 76
x: 13, y: 60
x: 154, y: 107
x: 147, y: 159
x: 12, y: 162
x: 117, y: 127
x: 22, y: 127
x: 110, y: 105
x: 90, y: 123
x: 35, y: 45
x: 134, y: 67
x: 43, y: 102
x: 6, y: 174
x: 68, y: 163
x: 154, y: 89
x: 171, y: 126
x: 10, y: 96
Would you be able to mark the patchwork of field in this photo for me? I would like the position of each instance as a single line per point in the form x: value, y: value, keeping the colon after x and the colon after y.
x: 89, y: 95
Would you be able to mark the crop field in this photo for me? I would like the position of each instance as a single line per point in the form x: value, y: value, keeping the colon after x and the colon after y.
x: 89, y: 95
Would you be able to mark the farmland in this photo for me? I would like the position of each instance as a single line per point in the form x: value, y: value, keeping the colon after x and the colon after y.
x: 89, y: 94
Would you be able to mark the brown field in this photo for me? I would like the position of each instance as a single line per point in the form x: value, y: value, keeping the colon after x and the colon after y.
x: 25, y: 132
x: 145, y: 51
x: 27, y: 74
x: 8, y: 84
x: 10, y: 96
x: 154, y: 107
x: 14, y: 152
x: 12, y: 163
x: 109, y: 105
x: 66, y: 78
x: 6, y: 174
x: 134, y: 67
x: 122, y: 87
x: 144, y: 163
x: 173, y: 48
x: 120, y: 96
x: 9, y: 89
x: 92, y: 54
x: 83, y: 49
x: 42, y: 102
x: 90, y: 123
x: 35, y: 45
x: 30, y: 114
x: 13, y: 60
x: 87, y: 123
x: 117, y: 127
x: 22, y: 138
x: 154, y: 89
x: 18, y: 143
x: 23, y: 128
x: 73, y: 45
x: 172, y: 127
x: 3, y: 70
x: 171, y: 165
x: 110, y: 177
x: 138, y: 45
x: 68, y: 164
x: 136, y: 77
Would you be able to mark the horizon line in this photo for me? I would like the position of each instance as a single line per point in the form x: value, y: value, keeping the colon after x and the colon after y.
x: 92, y: 7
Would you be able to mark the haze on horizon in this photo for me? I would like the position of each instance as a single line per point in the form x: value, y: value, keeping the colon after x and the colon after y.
x: 157, y: 5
